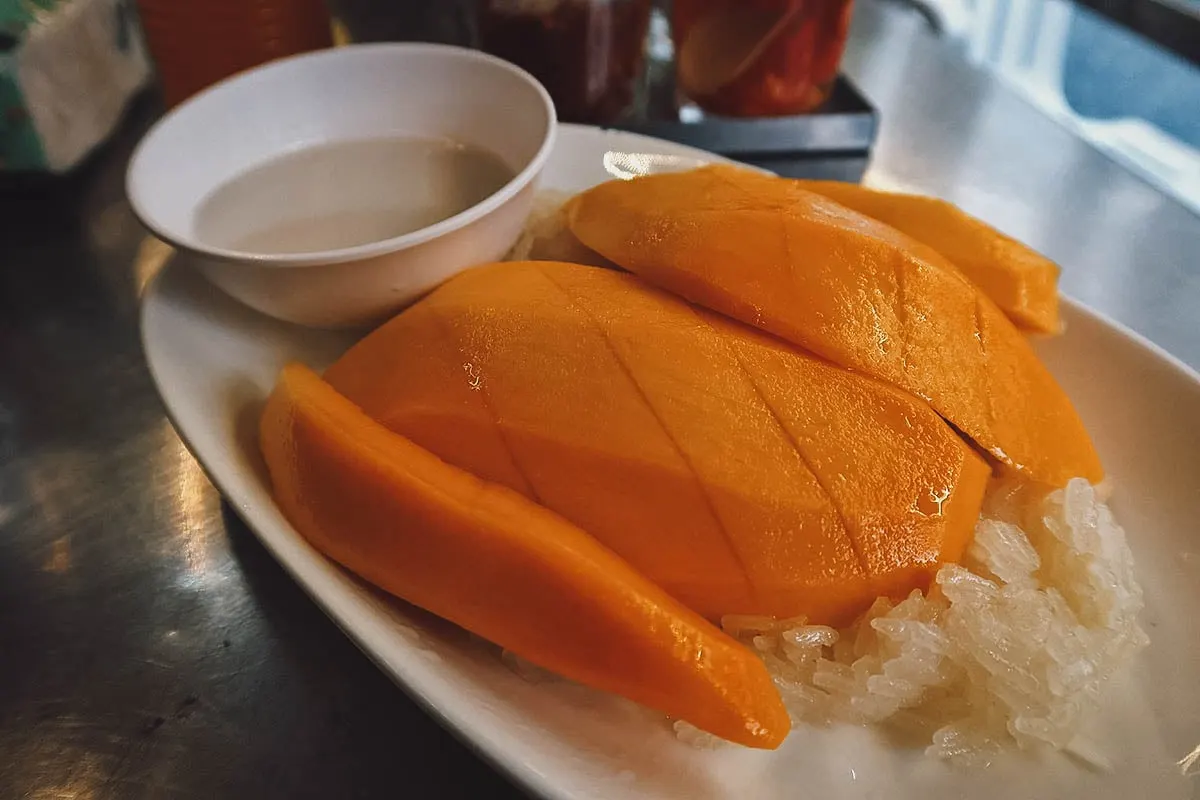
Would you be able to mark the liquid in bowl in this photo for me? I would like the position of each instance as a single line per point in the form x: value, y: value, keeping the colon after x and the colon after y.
x: 347, y: 194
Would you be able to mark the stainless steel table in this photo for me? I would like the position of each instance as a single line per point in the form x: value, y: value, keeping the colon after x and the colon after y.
x: 955, y: 131
x: 149, y: 647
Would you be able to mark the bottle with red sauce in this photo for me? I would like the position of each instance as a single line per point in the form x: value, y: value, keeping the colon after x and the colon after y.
x: 587, y: 53
x: 759, y: 58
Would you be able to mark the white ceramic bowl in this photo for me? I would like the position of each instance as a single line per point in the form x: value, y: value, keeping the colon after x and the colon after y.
x: 347, y: 94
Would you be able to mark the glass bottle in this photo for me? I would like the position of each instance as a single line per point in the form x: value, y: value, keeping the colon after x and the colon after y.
x: 587, y: 53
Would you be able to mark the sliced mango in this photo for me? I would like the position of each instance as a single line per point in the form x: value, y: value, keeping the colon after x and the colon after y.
x: 739, y: 474
x: 507, y: 569
x: 861, y: 294
x: 1021, y: 281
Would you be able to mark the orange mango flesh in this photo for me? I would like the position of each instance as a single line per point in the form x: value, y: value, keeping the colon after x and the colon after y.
x: 1022, y: 282
x: 503, y: 567
x: 858, y: 293
x: 741, y: 475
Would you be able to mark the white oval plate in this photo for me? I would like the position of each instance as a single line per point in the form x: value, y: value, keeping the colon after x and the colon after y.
x: 214, y: 361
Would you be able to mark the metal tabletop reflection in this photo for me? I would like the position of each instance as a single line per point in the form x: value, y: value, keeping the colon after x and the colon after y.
x: 150, y: 647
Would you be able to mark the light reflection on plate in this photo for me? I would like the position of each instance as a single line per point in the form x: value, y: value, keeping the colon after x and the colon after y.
x: 634, y: 165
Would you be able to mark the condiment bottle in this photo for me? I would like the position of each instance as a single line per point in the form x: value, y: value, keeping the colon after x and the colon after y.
x: 759, y: 57
x: 587, y: 53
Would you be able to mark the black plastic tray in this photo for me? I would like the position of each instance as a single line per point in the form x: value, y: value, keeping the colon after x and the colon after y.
x: 845, y: 125
x: 834, y: 142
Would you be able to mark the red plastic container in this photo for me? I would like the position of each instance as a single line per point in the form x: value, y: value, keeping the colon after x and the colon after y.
x: 759, y: 57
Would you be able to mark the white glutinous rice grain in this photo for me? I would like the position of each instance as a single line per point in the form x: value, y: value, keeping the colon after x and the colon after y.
x: 546, y: 236
x: 1010, y: 647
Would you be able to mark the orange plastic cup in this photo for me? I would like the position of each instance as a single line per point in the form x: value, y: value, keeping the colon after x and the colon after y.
x: 196, y: 44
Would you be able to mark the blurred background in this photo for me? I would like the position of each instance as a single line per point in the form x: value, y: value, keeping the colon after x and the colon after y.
x: 1121, y: 74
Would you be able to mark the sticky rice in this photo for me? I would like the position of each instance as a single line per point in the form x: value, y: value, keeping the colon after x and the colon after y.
x: 1010, y: 647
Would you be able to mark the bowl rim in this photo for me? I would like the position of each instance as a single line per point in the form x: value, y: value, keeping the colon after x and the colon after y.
x: 369, y: 250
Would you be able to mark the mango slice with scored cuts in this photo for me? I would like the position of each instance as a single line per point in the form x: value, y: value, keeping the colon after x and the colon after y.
x: 739, y: 474
x: 849, y: 289
x: 1021, y: 281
